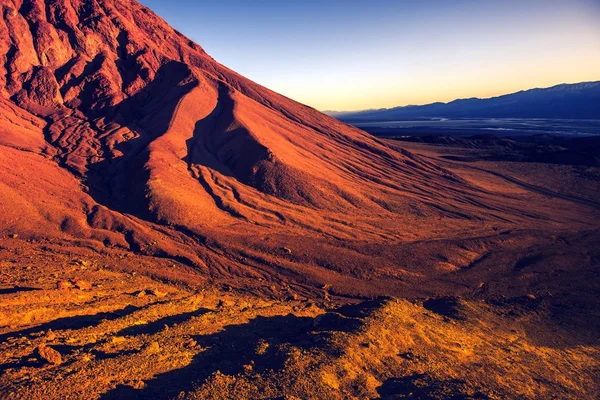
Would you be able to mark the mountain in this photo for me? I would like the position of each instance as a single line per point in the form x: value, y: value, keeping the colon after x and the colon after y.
x: 118, y: 132
x: 171, y: 229
x: 566, y: 101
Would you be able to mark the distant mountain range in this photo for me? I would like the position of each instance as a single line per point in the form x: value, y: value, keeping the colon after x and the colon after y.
x: 566, y: 101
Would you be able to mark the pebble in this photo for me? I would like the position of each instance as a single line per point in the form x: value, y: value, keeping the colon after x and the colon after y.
x: 152, y: 348
x: 48, y: 354
x: 157, y: 292
x: 50, y: 335
x: 63, y: 285
x: 83, y: 285
x: 136, y: 384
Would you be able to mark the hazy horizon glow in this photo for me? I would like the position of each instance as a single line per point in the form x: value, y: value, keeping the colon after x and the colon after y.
x: 352, y: 54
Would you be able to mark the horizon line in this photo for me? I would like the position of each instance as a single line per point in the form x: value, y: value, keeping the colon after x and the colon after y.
x: 459, y: 98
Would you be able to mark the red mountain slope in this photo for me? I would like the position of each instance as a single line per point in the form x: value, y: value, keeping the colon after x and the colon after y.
x: 119, y: 134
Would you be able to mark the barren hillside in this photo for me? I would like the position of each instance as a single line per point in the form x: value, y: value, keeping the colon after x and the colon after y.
x: 123, y: 144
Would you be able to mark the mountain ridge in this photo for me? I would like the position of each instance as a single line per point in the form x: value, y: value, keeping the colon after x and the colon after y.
x: 493, y: 107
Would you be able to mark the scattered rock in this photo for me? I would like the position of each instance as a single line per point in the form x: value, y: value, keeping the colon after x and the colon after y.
x: 48, y: 354
x: 157, y: 292
x: 152, y: 348
x: 81, y: 262
x: 136, y: 384
x: 410, y: 356
x: 248, y: 368
x: 62, y: 285
x: 83, y: 285
x: 326, y: 289
x: 261, y: 347
x: 50, y: 335
x: 13, y: 236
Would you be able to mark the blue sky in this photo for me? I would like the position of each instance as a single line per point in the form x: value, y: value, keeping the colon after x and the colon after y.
x: 350, y: 54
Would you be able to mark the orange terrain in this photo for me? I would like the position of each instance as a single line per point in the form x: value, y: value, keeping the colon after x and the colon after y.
x: 170, y: 229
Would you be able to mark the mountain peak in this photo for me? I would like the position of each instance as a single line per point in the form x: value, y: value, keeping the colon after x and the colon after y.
x: 84, y: 55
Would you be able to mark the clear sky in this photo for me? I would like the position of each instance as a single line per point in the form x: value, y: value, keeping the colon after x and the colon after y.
x: 359, y: 54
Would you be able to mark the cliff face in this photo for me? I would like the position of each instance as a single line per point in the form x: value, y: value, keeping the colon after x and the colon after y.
x: 56, y: 52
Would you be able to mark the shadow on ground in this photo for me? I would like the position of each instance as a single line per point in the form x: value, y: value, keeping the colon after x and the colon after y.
x: 262, y: 342
x: 17, y: 289
x: 155, y: 326
x: 228, y: 351
x: 76, y: 322
x: 423, y: 387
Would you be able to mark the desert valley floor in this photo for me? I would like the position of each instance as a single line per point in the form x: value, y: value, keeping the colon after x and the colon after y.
x: 128, y: 326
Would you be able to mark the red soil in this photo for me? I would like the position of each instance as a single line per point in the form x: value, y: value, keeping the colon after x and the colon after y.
x: 119, y: 133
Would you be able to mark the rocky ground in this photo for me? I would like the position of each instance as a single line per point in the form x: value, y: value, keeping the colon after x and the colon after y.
x: 83, y: 328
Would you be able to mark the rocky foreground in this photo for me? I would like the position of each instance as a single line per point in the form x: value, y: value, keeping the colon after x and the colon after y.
x: 80, y: 328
